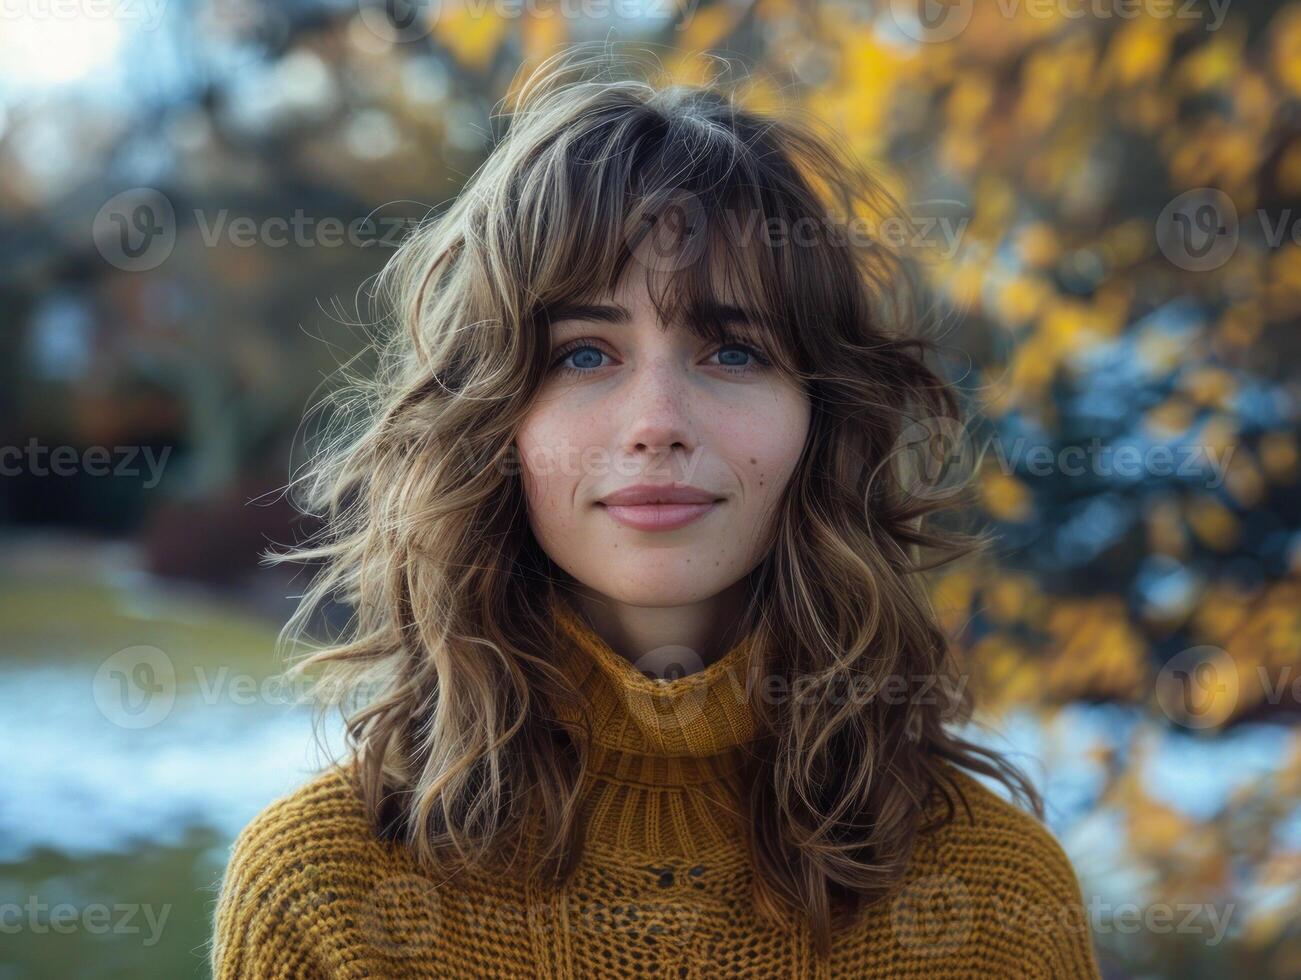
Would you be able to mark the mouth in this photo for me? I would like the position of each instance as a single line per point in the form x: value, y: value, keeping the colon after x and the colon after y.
x: 651, y: 507
x: 658, y: 516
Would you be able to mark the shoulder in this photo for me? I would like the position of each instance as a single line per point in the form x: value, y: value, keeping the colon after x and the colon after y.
x: 319, y: 815
x: 1002, y: 867
x: 293, y: 852
x: 318, y: 828
x: 991, y: 836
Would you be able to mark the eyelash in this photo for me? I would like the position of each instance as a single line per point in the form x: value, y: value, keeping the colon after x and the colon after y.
x: 583, y: 342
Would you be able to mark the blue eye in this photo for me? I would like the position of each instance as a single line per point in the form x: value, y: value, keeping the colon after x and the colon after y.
x: 741, y: 349
x: 586, y: 357
x: 738, y: 348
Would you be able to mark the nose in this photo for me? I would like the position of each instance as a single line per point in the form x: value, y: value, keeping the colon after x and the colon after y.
x: 658, y: 410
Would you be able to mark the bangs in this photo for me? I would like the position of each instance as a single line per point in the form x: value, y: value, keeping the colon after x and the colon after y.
x: 731, y: 238
x: 705, y: 278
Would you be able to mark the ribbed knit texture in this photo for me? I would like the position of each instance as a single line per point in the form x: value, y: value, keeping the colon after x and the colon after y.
x: 664, y: 885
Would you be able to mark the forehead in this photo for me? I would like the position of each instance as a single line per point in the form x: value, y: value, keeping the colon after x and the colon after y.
x: 737, y: 287
x: 629, y: 305
x: 671, y: 297
x: 648, y: 293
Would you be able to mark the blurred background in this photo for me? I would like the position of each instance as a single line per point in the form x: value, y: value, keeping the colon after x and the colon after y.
x: 193, y: 195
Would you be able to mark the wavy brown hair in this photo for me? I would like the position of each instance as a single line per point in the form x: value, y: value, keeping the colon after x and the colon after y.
x: 424, y: 535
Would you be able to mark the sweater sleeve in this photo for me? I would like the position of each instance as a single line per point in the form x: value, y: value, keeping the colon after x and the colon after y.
x: 258, y: 924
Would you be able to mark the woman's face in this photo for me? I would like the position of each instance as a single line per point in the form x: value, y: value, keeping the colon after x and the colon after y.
x: 627, y: 403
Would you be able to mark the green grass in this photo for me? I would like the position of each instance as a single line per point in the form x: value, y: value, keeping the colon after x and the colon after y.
x: 88, y: 620
x: 79, y: 622
x: 104, y: 930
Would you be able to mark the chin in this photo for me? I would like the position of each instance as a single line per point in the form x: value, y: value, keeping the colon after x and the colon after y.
x: 657, y: 590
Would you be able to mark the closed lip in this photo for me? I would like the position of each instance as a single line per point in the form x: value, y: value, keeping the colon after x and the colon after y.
x: 642, y: 494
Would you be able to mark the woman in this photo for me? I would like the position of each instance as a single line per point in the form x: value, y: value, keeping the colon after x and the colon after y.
x: 649, y: 681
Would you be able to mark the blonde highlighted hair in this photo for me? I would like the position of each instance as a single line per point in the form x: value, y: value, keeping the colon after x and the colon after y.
x: 424, y: 535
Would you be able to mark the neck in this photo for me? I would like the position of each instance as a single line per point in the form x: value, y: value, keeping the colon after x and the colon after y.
x: 666, y: 641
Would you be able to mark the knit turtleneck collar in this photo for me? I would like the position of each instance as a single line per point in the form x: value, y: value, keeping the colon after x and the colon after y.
x: 653, y: 732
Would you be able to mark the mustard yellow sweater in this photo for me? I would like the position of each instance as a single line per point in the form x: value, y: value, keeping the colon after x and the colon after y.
x: 663, y: 887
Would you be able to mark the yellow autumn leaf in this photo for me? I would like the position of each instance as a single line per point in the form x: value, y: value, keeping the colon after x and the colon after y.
x: 1243, y: 479
x: 963, y: 284
x: 1022, y: 298
x: 472, y: 33
x: 1139, y: 51
x: 1038, y: 245
x: 1111, y: 305
x: 969, y: 100
x: 1096, y: 651
x: 1213, y: 523
x: 1008, y: 598
x: 1208, y: 386
x: 1004, y: 496
x: 1069, y: 325
x: 1170, y: 417
x: 1270, y: 633
x: 1214, y: 63
x: 1005, y: 674
x: 1288, y: 172
x: 961, y: 150
x: 1277, y: 876
x: 951, y: 595
x: 1220, y: 612
x: 539, y: 36
x: 1166, y: 534
x: 1149, y: 109
x: 1255, y: 100
x: 760, y: 95
x: 1216, y: 154
x: 707, y: 26
x: 1285, y: 53
x: 1290, y: 771
x: 1241, y: 323
x: 1279, y: 456
x: 1283, y: 282
x: 1129, y: 241
x: 1156, y: 826
x: 1220, y: 436
x: 1033, y: 364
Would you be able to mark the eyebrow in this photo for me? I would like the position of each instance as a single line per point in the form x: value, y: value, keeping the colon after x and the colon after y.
x: 599, y: 312
x: 617, y: 314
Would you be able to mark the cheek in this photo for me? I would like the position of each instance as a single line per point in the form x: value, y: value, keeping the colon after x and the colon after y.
x: 764, y: 443
x: 547, y: 460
